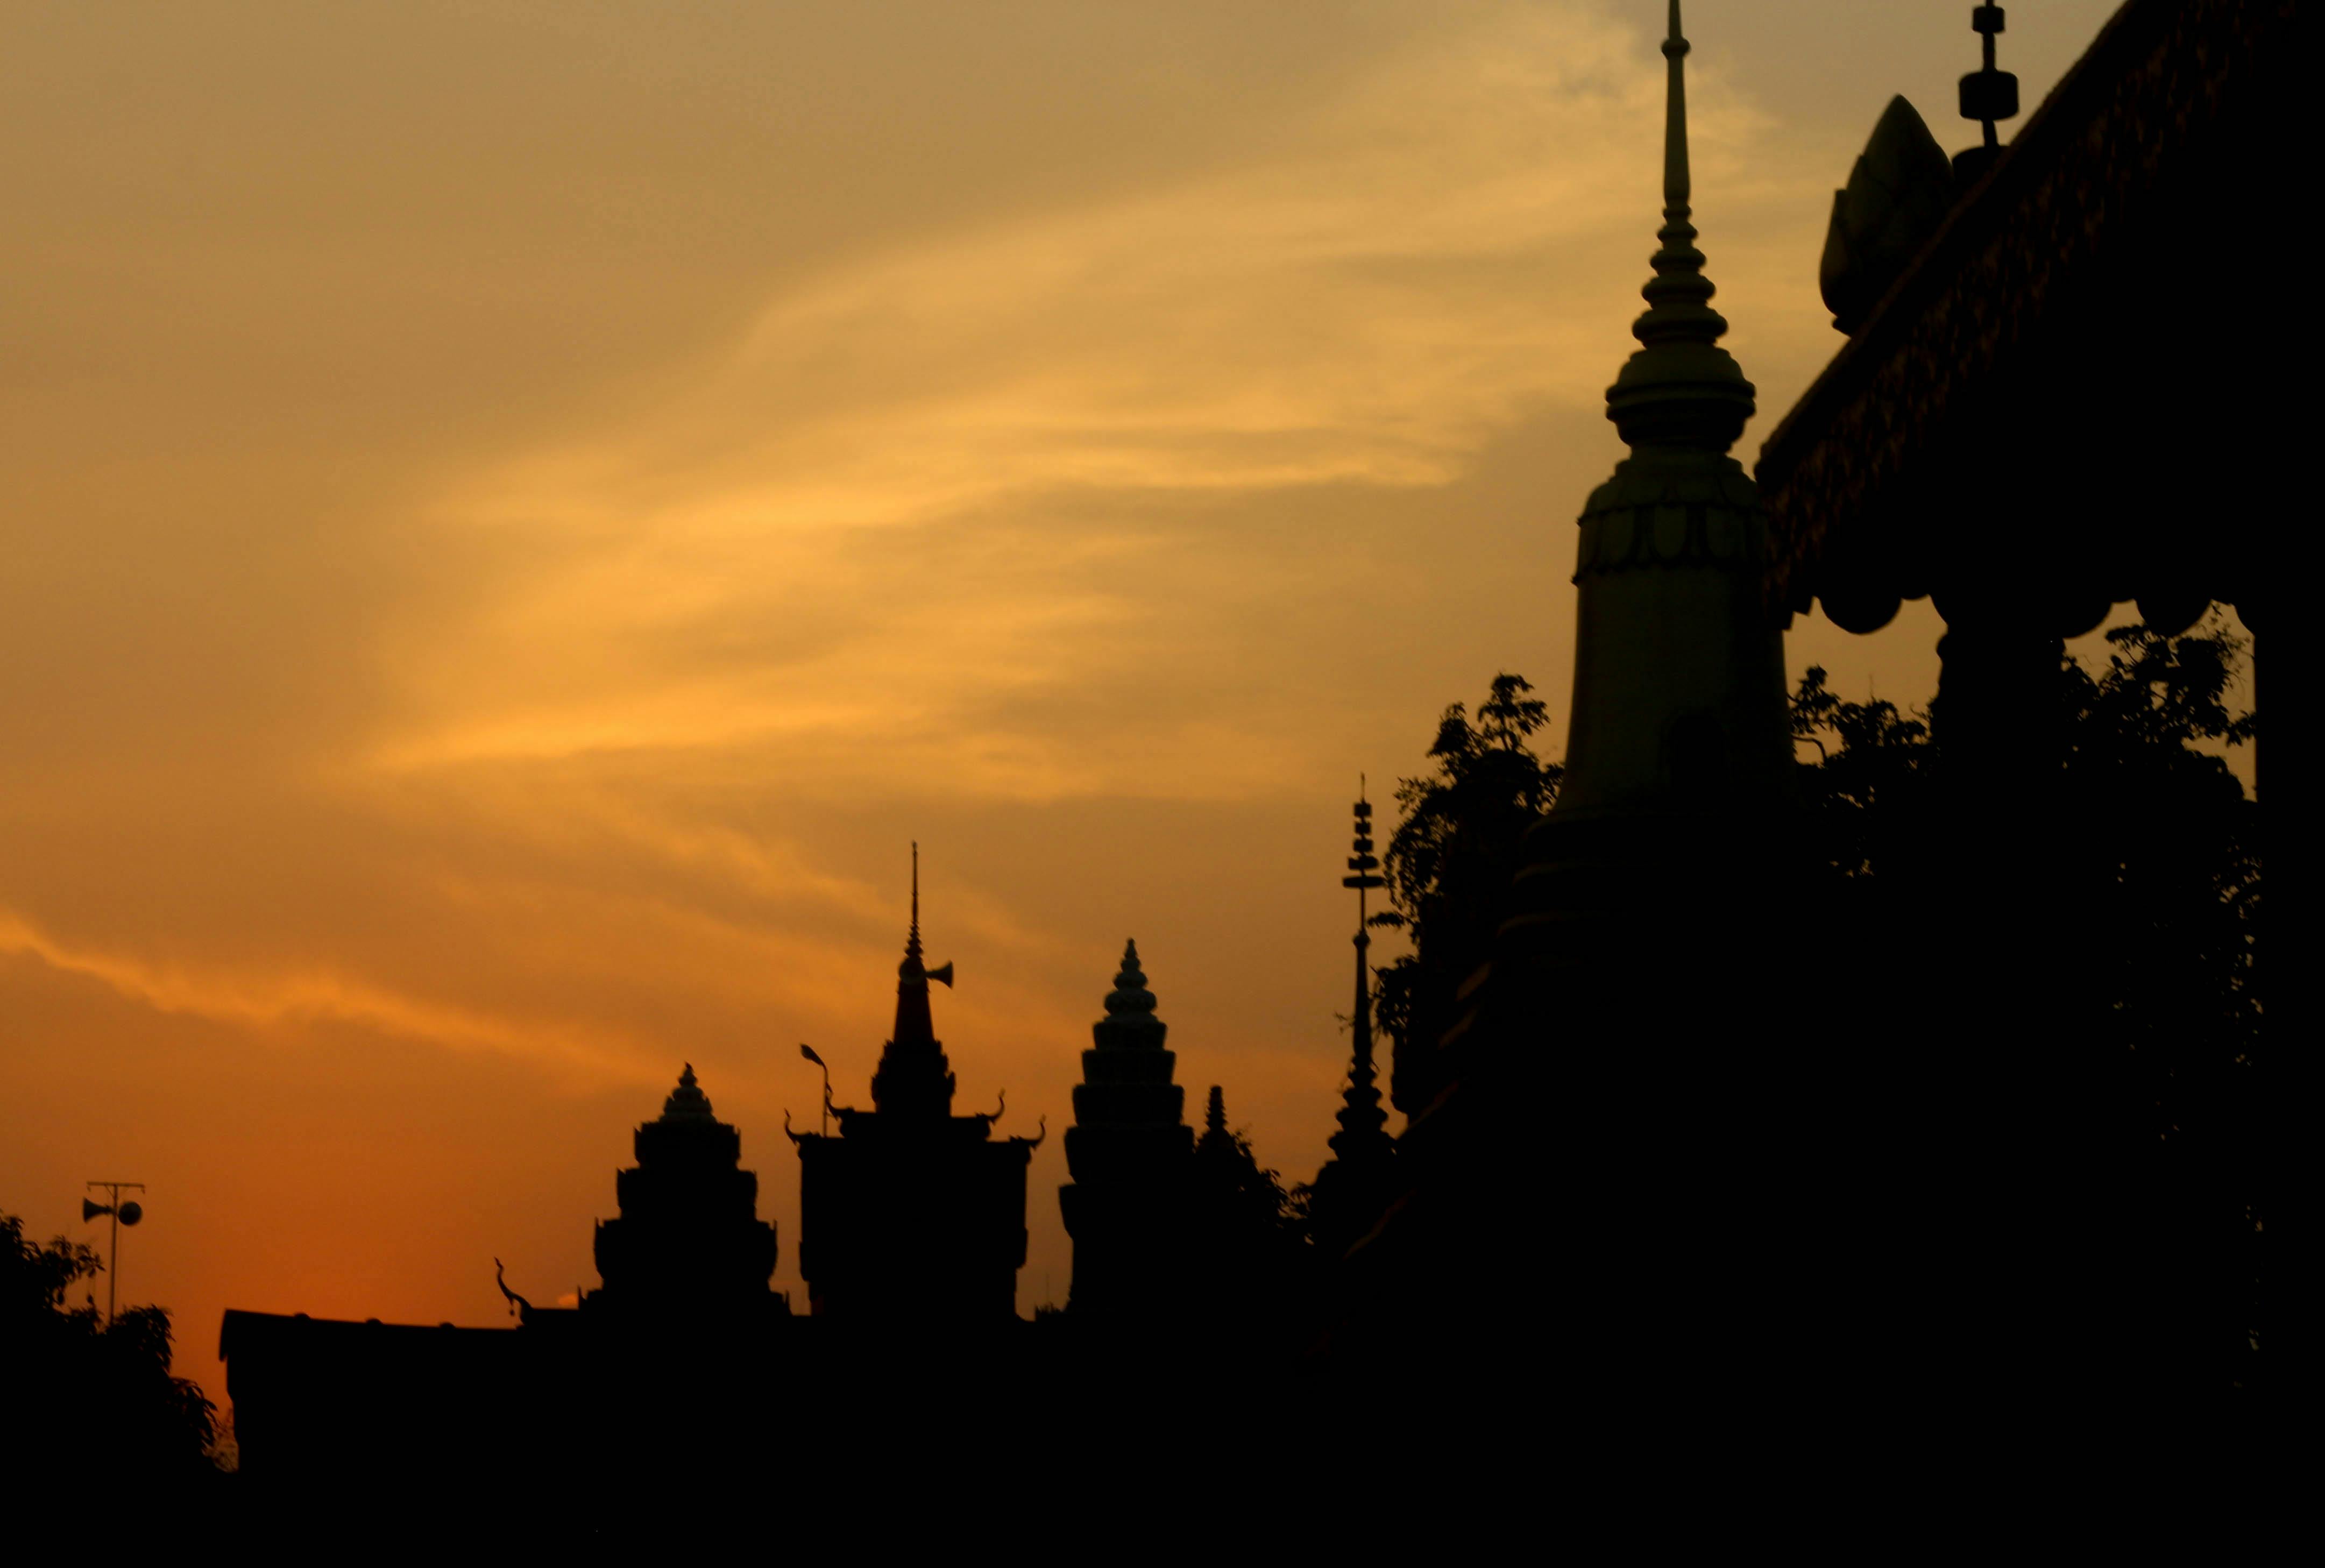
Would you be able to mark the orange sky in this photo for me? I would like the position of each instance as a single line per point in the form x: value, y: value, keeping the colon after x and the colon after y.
x: 515, y: 514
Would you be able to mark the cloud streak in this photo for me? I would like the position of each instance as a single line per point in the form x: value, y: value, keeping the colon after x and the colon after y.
x: 267, y: 1000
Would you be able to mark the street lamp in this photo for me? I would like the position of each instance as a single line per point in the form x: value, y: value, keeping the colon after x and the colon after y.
x: 123, y: 1213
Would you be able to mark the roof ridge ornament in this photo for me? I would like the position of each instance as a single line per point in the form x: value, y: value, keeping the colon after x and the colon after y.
x: 1988, y: 95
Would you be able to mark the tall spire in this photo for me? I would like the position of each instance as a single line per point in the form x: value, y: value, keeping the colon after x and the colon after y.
x: 1681, y: 388
x: 912, y: 1073
x: 915, y: 1026
x: 1678, y: 700
x: 913, y: 941
x: 1361, y: 1117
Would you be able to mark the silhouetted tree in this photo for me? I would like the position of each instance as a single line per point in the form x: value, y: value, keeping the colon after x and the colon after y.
x: 2152, y: 893
x: 86, y: 1397
x: 1449, y: 863
x: 2158, y: 856
x: 2159, y: 846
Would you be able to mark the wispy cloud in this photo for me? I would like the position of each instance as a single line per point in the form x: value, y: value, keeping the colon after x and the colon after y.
x: 948, y: 438
x: 266, y: 999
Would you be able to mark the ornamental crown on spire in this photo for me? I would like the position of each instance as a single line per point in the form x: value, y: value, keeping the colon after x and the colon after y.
x: 687, y: 1102
x: 1130, y: 1021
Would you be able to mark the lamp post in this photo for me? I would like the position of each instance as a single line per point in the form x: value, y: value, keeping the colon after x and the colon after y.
x: 123, y: 1213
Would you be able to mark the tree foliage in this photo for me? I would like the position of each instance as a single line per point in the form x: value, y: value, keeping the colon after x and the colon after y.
x: 1449, y: 863
x: 2159, y: 849
x: 85, y: 1396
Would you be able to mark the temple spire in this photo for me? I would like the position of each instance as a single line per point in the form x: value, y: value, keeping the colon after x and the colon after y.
x: 1361, y: 1119
x: 1681, y: 388
x: 912, y: 940
x: 1678, y: 308
x: 911, y: 1071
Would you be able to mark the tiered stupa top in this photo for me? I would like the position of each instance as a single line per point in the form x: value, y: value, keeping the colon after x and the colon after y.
x: 1127, y: 1077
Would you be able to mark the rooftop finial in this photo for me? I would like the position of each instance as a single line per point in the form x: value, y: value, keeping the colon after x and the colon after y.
x: 1677, y: 307
x: 1988, y: 95
x: 1130, y: 1017
x: 1675, y: 191
x: 912, y: 1071
x: 1214, y: 1114
x: 687, y: 1102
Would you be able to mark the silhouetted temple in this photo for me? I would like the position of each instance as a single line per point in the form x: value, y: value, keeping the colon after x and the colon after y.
x: 1611, y: 1062
x: 1652, y: 1160
x: 1129, y: 1152
x: 912, y: 1212
x: 689, y: 1241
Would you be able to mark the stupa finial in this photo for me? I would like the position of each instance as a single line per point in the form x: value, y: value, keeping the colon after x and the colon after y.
x: 1214, y: 1114
x: 687, y: 1102
x: 1130, y: 1019
x: 1678, y: 307
x: 1681, y: 388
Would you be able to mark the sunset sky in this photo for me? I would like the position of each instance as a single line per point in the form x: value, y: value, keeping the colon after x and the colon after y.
x: 516, y: 515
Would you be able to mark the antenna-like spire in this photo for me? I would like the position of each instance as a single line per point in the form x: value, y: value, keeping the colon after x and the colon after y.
x: 913, y: 941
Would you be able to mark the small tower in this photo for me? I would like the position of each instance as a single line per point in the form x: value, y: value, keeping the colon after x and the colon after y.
x: 909, y: 1213
x: 690, y: 1241
x: 1359, y: 1179
x: 1127, y: 1153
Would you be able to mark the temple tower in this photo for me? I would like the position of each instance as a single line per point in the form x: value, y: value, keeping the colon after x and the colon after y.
x: 911, y: 1213
x: 1128, y: 1153
x: 1612, y: 1111
x: 689, y: 1241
